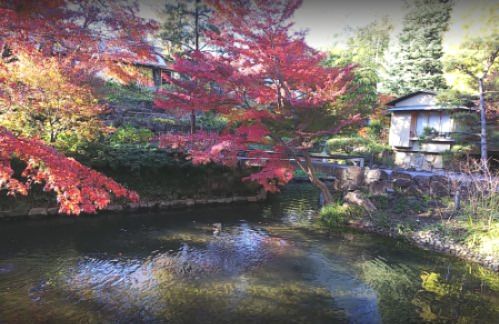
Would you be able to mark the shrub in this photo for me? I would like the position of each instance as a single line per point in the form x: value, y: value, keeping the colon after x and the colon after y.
x: 334, y: 214
x: 345, y: 144
x: 130, y: 135
x: 212, y: 122
x: 481, y: 208
x: 117, y: 93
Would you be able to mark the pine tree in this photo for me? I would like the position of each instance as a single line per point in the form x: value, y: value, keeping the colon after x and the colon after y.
x: 418, y: 62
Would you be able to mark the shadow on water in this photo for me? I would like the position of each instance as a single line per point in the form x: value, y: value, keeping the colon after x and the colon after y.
x: 242, y: 263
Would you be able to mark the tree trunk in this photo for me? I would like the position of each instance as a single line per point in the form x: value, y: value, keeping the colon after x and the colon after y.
x: 309, y: 169
x: 193, y: 122
x: 196, y: 40
x: 483, y: 123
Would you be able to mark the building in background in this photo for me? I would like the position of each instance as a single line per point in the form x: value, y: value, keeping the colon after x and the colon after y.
x: 421, y: 129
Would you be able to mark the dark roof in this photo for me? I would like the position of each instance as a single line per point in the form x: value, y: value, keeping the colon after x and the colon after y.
x: 395, y: 101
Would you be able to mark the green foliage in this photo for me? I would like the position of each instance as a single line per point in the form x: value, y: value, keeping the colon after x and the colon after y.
x: 179, y: 26
x: 130, y: 135
x: 165, y: 121
x: 345, y: 144
x: 368, y: 143
x: 417, y: 64
x: 212, y: 122
x: 428, y: 134
x: 128, y: 148
x: 117, y: 93
x: 171, y: 179
x: 337, y: 213
x: 366, y: 50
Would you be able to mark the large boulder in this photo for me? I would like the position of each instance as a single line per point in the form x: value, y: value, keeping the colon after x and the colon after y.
x: 439, y: 186
x: 380, y: 187
x: 402, y: 184
x: 374, y: 175
x: 359, y: 199
x: 423, y: 183
x: 401, y: 175
x: 355, y: 173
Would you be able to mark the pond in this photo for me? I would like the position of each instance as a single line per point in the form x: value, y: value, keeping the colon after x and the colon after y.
x: 253, y: 263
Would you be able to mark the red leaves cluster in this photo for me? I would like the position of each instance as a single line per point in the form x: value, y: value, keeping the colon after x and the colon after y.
x: 84, y: 36
x: 78, y: 188
x: 203, y: 147
x: 264, y: 78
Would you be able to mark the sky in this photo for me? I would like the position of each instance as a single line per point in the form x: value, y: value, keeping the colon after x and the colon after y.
x: 327, y: 20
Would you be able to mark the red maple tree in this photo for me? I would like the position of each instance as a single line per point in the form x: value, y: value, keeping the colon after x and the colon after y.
x: 270, y: 85
x: 84, y: 37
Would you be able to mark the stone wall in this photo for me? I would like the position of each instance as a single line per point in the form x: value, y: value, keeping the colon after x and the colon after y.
x: 37, y: 212
x: 380, y: 181
x: 418, y: 160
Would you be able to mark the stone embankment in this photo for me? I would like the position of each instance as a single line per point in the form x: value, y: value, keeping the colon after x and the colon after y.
x: 144, y: 204
x: 381, y: 181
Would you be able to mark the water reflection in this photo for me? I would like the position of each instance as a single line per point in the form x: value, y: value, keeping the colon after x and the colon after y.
x: 258, y: 263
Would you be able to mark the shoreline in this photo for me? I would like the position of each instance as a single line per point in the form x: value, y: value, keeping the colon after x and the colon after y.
x: 429, y: 241
x: 43, y: 212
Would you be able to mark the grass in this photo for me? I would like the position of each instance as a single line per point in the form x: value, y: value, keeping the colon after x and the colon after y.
x: 336, y: 214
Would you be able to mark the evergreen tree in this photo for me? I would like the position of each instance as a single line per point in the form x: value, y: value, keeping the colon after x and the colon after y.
x: 184, y: 29
x: 185, y: 25
x: 418, y: 62
x: 365, y: 49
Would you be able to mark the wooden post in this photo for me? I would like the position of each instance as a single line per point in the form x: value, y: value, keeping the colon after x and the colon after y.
x: 457, y: 199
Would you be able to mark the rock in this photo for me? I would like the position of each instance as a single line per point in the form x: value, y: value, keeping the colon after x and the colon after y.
x: 401, y: 175
x: 114, y: 207
x: 439, y: 186
x: 340, y: 174
x: 133, y: 205
x: 355, y: 174
x: 53, y: 211
x: 380, y: 187
x: 402, y: 183
x: 38, y: 212
x: 357, y: 198
x: 423, y: 182
x: 148, y: 204
x: 371, y: 176
x: 414, y: 190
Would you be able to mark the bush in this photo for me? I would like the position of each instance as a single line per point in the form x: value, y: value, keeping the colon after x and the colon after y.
x: 117, y: 93
x: 131, y: 135
x: 212, y: 122
x: 335, y: 214
x: 345, y: 144
x: 481, y: 209
x: 127, y: 149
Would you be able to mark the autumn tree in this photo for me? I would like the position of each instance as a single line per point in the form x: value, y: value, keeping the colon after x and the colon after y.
x: 78, y: 39
x: 185, y: 28
x: 44, y: 103
x: 272, y: 87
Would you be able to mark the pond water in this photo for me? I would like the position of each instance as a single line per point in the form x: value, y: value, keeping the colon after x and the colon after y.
x: 253, y: 263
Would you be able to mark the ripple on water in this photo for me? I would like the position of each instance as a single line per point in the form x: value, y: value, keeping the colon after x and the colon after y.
x: 258, y: 268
